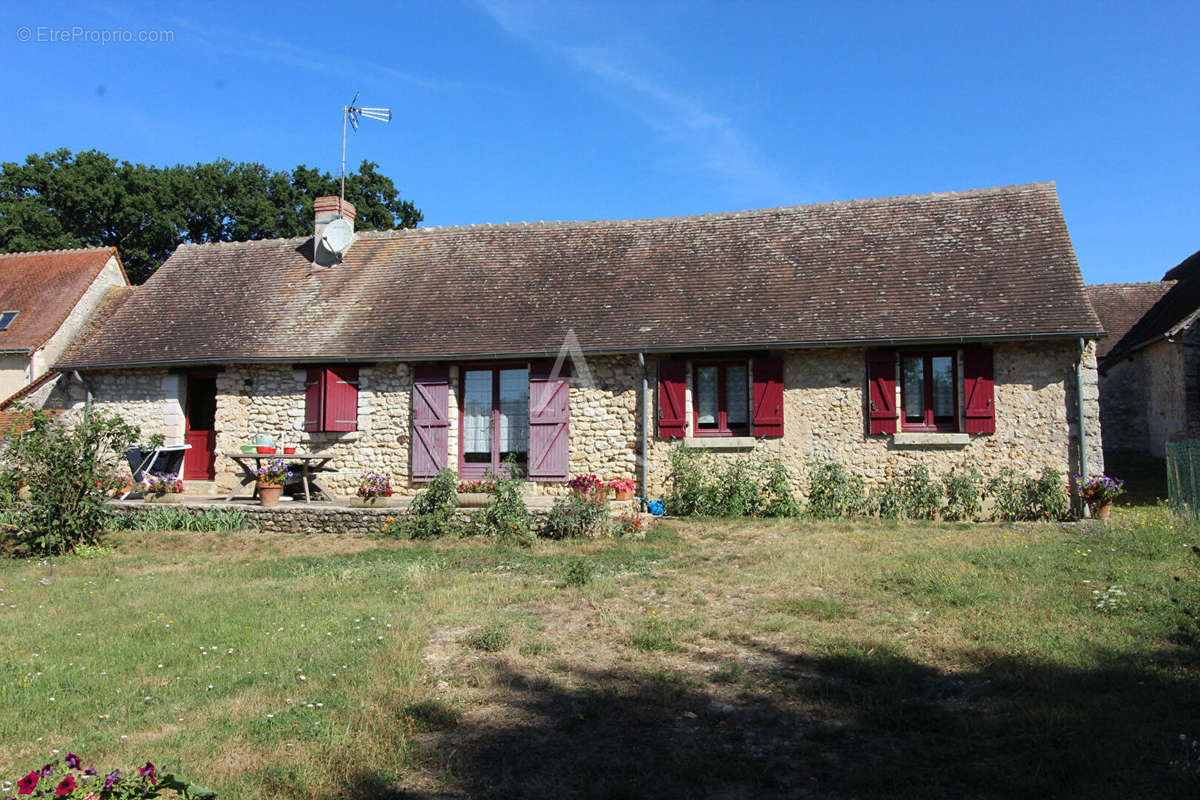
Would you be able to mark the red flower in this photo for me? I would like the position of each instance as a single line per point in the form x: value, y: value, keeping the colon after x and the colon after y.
x: 148, y: 772
x: 66, y: 786
x: 27, y: 784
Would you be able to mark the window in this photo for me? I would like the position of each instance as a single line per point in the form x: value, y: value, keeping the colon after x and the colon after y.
x: 495, y: 419
x: 721, y: 398
x: 331, y: 399
x: 741, y: 397
x: 6, y: 319
x: 928, y: 392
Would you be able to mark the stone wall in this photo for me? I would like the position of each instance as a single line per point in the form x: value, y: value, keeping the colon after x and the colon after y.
x: 823, y: 416
x: 1123, y: 406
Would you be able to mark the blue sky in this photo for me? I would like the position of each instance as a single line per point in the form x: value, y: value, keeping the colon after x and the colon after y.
x: 522, y: 110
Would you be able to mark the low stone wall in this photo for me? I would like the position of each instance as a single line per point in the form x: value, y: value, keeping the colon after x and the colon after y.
x: 317, y: 518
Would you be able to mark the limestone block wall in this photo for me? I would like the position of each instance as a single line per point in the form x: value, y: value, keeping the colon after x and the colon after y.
x: 1123, y: 406
x: 823, y: 416
x: 270, y: 399
x: 1162, y: 392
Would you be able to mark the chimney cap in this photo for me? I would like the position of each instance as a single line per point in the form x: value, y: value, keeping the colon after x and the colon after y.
x: 329, y: 205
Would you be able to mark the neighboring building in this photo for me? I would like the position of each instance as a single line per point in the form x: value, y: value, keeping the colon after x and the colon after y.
x: 45, y: 300
x: 1149, y: 365
x: 882, y: 333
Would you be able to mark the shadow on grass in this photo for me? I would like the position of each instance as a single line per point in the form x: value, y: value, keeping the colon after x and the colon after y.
x: 856, y: 722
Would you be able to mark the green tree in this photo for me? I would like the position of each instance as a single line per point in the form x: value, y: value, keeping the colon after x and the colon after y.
x: 62, y: 199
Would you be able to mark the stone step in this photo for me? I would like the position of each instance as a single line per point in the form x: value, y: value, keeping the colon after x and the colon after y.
x: 200, y: 488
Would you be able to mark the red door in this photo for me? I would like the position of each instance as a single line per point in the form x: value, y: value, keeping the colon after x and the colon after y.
x: 199, y: 461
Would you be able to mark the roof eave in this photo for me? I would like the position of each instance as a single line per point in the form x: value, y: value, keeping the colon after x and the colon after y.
x: 498, y: 355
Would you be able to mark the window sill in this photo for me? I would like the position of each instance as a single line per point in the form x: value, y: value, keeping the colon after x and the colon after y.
x: 719, y: 442
x: 931, y: 439
x: 329, y: 436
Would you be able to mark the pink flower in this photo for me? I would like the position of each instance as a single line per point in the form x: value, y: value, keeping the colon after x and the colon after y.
x: 27, y: 784
x: 66, y: 786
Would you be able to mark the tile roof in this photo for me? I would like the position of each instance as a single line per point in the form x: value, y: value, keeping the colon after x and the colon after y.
x: 44, y: 286
x: 1121, y: 305
x: 1178, y: 303
x: 984, y: 264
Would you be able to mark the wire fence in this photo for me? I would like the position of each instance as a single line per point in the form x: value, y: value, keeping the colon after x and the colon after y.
x: 1183, y: 476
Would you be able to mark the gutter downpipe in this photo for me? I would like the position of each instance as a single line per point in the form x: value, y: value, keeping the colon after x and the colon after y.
x: 87, y: 406
x: 1084, y: 510
x: 644, y: 466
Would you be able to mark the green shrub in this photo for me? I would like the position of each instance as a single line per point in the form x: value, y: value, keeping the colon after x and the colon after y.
x: 750, y: 486
x: 491, y: 638
x: 431, y: 513
x: 577, y: 514
x: 68, y: 470
x: 578, y: 572
x: 506, y: 518
x: 1023, y: 497
x: 964, y: 488
x: 886, y: 501
x: 920, y: 494
x: 833, y: 492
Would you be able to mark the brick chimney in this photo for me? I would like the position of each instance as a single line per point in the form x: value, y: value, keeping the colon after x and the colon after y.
x: 325, y: 211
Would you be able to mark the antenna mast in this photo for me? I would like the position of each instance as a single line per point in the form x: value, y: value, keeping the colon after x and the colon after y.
x: 351, y: 113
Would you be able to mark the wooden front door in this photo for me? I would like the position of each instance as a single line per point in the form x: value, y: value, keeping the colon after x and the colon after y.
x: 199, y: 462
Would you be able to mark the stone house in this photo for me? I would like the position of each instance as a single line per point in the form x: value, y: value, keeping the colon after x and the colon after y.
x: 46, y: 298
x: 1150, y: 365
x: 882, y: 333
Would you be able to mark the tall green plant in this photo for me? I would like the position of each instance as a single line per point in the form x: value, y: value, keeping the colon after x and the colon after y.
x: 56, y: 477
x: 833, y: 492
x: 431, y: 513
x: 506, y: 517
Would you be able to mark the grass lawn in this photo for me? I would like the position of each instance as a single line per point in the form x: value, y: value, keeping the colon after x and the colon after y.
x: 714, y: 659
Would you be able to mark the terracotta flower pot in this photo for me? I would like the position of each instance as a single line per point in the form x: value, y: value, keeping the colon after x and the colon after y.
x: 268, y: 494
x: 623, y: 494
x: 1101, y: 509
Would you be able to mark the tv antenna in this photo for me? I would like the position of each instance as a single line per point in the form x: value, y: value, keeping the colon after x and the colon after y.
x: 351, y: 113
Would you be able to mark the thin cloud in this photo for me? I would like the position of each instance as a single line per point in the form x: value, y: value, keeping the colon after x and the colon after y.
x: 713, y: 141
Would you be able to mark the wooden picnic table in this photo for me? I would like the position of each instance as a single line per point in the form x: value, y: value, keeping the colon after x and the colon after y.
x: 308, y: 464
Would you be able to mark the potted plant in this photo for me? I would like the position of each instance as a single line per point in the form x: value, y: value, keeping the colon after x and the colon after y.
x: 476, y: 494
x: 374, y: 490
x: 1099, y: 491
x: 272, y: 475
x: 622, y: 488
x: 161, y: 488
x: 587, y: 484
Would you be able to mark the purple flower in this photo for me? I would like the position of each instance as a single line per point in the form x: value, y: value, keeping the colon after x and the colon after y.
x: 112, y: 779
x: 47, y: 770
x: 72, y: 761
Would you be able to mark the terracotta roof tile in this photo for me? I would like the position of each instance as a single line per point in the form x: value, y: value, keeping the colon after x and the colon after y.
x: 44, y: 286
x: 985, y: 264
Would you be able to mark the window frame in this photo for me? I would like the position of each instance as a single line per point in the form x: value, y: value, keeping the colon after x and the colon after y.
x: 722, y: 428
x: 11, y: 320
x: 929, y: 422
x: 470, y: 470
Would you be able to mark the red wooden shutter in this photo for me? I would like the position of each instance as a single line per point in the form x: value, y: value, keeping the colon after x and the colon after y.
x: 881, y: 394
x: 430, y: 421
x: 549, y: 424
x: 314, y: 396
x: 672, y: 399
x: 768, y: 397
x: 341, y: 399
x: 979, y: 391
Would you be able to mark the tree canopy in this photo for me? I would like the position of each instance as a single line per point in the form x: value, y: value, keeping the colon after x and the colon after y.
x: 88, y: 199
